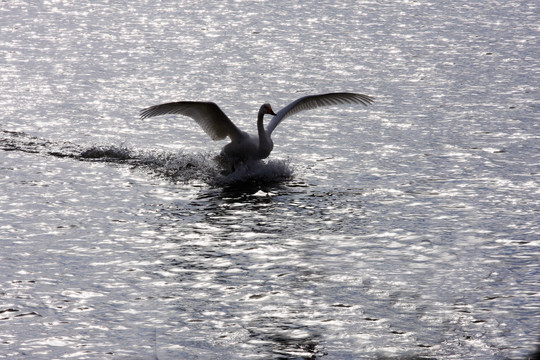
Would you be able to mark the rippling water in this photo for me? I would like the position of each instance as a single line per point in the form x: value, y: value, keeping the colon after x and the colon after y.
x: 408, y: 229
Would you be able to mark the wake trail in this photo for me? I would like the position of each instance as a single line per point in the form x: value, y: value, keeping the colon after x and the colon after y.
x: 175, y: 166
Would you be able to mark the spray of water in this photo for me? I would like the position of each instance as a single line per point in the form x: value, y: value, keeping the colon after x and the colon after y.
x: 175, y: 166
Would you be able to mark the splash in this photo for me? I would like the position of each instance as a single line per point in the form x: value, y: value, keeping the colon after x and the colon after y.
x: 196, y: 168
x: 175, y: 166
x: 205, y: 167
x: 110, y: 153
x: 179, y: 167
x: 259, y: 174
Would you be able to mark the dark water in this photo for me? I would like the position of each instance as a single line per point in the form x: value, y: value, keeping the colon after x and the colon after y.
x: 408, y: 229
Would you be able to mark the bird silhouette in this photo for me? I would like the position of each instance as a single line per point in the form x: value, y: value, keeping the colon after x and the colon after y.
x: 244, y: 147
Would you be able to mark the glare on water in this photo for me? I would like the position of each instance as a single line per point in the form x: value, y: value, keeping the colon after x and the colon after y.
x: 408, y: 229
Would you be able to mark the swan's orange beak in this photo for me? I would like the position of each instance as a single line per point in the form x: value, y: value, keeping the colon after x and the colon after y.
x: 270, y: 111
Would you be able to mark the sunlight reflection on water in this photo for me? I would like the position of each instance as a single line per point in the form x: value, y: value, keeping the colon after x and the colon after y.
x: 408, y: 229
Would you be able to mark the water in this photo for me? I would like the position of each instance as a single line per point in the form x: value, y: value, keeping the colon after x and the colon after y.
x: 408, y: 229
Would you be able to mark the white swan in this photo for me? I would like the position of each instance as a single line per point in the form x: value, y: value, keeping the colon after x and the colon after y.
x: 244, y: 147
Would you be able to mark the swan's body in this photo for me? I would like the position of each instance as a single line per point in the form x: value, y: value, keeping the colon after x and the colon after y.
x: 243, y: 146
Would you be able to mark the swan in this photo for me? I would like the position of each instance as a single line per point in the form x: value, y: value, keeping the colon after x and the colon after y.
x: 244, y: 147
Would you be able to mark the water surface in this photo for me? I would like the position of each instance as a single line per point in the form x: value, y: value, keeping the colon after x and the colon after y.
x: 406, y: 229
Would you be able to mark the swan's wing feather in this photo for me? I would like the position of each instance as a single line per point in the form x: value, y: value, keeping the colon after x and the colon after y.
x: 314, y: 101
x: 207, y: 114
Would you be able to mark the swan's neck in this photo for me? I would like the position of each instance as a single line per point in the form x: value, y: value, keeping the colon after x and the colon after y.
x: 265, y: 143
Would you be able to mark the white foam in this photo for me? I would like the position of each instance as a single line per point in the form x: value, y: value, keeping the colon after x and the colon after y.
x: 206, y: 167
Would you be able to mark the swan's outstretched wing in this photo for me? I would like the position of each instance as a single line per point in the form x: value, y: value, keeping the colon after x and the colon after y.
x: 315, y: 101
x: 207, y: 114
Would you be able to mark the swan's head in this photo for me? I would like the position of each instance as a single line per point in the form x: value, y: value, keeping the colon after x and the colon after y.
x: 267, y: 109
